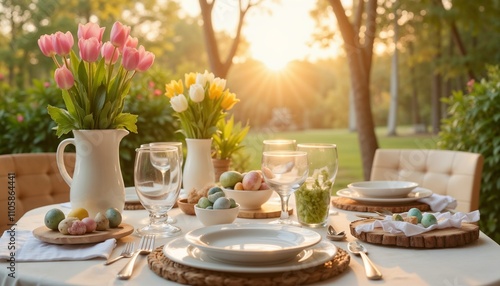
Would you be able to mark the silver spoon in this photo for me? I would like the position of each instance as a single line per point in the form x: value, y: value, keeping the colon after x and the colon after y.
x: 333, y: 235
x: 371, y: 271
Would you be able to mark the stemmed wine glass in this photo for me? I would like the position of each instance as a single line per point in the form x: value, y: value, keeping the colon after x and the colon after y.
x: 158, y: 178
x: 312, y: 200
x: 284, y: 172
x: 177, y: 145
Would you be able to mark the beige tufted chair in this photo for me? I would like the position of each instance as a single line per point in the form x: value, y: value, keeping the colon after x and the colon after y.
x: 36, y: 182
x: 453, y: 173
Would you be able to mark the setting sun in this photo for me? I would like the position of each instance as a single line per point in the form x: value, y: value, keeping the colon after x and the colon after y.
x: 280, y: 37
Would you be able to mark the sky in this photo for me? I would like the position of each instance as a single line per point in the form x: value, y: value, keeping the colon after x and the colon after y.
x: 276, y: 37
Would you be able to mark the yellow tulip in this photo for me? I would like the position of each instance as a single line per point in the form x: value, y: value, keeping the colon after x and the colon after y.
x: 229, y: 100
x: 173, y: 88
x: 215, y: 90
x: 189, y: 79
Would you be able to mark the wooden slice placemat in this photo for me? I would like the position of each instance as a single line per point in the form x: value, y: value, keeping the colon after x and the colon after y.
x: 183, y: 274
x: 438, y: 238
x: 51, y: 236
x: 267, y: 210
x: 352, y: 205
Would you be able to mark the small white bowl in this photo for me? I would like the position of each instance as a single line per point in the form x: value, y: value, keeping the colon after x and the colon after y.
x: 249, y: 200
x: 383, y: 189
x: 217, y: 216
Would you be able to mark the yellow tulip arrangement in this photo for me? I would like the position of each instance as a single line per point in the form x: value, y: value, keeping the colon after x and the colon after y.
x: 206, y: 103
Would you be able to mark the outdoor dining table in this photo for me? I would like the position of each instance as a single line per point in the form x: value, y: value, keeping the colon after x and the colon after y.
x: 476, y: 263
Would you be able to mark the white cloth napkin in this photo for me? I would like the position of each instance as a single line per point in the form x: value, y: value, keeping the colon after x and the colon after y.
x: 439, y: 202
x: 28, y: 248
x: 445, y: 220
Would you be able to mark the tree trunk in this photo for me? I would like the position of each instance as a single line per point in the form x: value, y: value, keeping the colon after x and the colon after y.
x: 218, y: 67
x: 352, y: 112
x: 436, y: 85
x: 393, y: 108
x: 418, y: 125
x: 359, y: 58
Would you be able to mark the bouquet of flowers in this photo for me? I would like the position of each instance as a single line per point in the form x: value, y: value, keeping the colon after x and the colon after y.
x: 206, y: 103
x: 93, y: 85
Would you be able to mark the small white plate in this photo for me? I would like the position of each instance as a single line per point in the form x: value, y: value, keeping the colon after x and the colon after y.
x: 416, y: 194
x: 131, y: 195
x: 180, y: 251
x: 251, y: 243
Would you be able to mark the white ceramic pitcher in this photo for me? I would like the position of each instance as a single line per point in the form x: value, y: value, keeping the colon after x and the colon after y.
x: 97, y: 182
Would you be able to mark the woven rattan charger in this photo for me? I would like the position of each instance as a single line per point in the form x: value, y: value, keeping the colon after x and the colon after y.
x: 183, y: 274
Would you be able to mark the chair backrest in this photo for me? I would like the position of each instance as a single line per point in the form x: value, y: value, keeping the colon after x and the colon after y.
x: 445, y: 172
x: 30, y: 180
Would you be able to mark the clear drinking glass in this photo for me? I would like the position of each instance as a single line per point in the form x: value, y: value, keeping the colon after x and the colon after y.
x: 279, y: 145
x: 284, y: 172
x: 312, y: 199
x: 177, y: 145
x: 157, y: 179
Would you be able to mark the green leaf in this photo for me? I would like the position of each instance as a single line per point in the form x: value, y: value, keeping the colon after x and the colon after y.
x: 104, y: 118
x: 127, y: 121
x: 65, y: 122
x: 88, y: 122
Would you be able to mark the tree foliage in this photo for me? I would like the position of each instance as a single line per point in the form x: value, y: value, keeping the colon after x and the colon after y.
x: 472, y: 126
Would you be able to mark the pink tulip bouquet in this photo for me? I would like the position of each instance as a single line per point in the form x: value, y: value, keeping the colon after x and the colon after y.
x: 93, y: 85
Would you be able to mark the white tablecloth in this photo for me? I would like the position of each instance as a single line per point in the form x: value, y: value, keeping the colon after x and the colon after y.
x: 474, y: 264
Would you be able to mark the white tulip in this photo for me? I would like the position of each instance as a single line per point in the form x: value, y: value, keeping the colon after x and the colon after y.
x: 179, y: 103
x: 209, y: 76
x: 196, y: 92
x: 221, y: 83
x: 200, y: 79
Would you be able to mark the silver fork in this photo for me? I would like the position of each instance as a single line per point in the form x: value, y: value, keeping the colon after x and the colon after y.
x: 146, y: 245
x: 126, y: 253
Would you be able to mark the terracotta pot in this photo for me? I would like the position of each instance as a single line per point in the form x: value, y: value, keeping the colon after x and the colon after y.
x: 220, y: 166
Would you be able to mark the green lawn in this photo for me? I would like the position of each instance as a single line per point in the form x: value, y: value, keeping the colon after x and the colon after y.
x: 350, y: 169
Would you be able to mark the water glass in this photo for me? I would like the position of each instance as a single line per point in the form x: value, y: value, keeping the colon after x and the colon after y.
x: 157, y: 179
x: 312, y: 199
x: 284, y: 172
x: 177, y: 145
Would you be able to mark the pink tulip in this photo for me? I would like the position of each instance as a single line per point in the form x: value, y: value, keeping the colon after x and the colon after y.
x: 132, y: 42
x: 90, y: 30
x: 119, y: 34
x: 130, y: 58
x: 89, y: 49
x: 45, y: 44
x: 64, y: 78
x: 62, y: 43
x: 146, y: 60
x: 110, y: 53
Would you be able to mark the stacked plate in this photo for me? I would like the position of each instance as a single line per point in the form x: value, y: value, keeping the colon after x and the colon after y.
x: 250, y: 248
x: 384, y: 191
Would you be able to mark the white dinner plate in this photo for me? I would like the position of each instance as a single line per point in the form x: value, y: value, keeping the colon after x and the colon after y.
x: 180, y: 251
x: 131, y: 195
x: 416, y: 194
x: 252, y: 243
